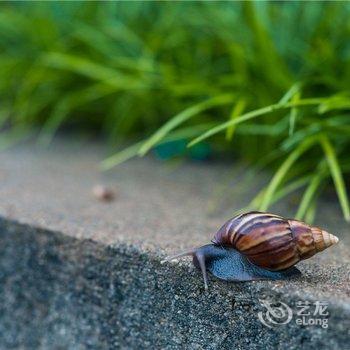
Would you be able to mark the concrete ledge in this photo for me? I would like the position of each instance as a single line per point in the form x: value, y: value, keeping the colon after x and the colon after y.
x: 61, y: 292
x: 76, y: 273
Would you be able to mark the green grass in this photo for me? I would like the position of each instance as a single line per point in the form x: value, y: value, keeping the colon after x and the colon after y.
x: 265, y: 82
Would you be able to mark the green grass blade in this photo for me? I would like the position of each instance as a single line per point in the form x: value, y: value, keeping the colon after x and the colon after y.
x: 281, y: 193
x: 16, y: 135
x: 253, y: 114
x: 120, y: 157
x: 132, y: 151
x: 311, y: 212
x: 51, y: 125
x: 290, y: 188
x: 290, y: 93
x: 236, y: 112
x: 337, y: 176
x: 92, y: 70
x: 182, y: 117
x: 309, y: 193
x: 293, y: 114
x: 282, y: 171
x: 67, y: 104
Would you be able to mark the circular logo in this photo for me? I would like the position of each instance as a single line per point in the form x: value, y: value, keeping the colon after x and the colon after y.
x: 275, y: 315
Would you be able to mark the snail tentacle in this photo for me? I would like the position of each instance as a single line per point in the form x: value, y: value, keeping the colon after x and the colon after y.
x: 198, y: 260
x: 179, y: 255
x: 201, y: 261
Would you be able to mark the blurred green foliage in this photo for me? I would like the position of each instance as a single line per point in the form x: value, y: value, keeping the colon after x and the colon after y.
x: 264, y: 81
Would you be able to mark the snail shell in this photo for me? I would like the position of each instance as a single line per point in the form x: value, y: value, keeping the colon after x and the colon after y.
x: 271, y: 241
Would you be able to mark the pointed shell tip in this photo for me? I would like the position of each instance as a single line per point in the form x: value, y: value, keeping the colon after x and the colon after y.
x: 328, y: 239
x: 335, y: 239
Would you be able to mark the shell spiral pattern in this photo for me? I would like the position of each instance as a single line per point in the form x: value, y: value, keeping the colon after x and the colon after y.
x: 271, y: 241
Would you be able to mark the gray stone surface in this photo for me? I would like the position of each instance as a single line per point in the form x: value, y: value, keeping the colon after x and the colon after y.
x: 80, y: 273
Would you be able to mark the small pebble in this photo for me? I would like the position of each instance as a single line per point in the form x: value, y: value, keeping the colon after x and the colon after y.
x: 103, y: 193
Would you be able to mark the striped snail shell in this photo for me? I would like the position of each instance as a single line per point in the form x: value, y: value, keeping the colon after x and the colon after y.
x: 271, y: 241
x: 258, y: 245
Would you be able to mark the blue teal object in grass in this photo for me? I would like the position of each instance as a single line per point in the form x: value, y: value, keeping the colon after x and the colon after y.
x: 177, y: 148
x: 171, y: 149
x: 201, y: 151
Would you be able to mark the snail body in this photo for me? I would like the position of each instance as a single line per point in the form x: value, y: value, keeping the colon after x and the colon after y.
x: 257, y: 245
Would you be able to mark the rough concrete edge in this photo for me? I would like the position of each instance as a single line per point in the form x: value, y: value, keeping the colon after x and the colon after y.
x: 182, y: 267
x: 184, y: 284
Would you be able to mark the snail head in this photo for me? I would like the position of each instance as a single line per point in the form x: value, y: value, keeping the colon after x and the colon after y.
x: 200, y: 256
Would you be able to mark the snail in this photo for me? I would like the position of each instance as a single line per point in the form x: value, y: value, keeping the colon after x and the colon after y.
x: 257, y: 245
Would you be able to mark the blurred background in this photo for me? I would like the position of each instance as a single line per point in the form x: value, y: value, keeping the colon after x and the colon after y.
x: 266, y: 83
